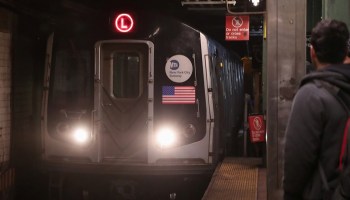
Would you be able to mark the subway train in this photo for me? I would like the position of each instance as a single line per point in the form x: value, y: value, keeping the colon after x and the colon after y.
x: 133, y: 93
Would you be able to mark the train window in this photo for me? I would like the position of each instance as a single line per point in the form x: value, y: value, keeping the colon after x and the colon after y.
x: 70, y: 83
x: 126, y: 74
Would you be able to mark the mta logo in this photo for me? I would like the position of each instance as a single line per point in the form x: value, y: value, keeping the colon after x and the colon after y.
x: 174, y: 65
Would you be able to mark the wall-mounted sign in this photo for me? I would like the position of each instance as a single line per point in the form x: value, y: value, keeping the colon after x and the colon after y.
x: 257, y: 128
x: 237, y: 27
x: 178, y: 68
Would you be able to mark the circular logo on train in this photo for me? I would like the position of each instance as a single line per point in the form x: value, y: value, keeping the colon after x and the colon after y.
x: 178, y: 68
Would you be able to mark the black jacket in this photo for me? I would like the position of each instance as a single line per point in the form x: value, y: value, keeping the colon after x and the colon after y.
x: 314, y: 134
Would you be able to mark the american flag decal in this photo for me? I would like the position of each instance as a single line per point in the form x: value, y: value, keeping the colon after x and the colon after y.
x: 178, y: 95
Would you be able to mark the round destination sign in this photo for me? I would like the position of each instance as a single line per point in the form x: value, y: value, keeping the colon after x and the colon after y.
x: 178, y: 68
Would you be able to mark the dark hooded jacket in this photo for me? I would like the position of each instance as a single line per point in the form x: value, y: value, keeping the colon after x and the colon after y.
x: 314, y: 134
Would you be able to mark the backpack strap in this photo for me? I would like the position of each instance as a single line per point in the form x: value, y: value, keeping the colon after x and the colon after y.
x: 342, y: 189
x: 338, y: 94
x: 343, y: 145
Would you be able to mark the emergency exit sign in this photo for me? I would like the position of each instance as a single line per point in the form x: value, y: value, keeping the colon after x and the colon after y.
x: 237, y: 28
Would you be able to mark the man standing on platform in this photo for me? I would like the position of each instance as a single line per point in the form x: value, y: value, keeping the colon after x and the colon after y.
x: 316, y: 125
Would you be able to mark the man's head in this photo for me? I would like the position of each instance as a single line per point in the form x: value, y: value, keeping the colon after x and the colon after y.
x: 329, y: 42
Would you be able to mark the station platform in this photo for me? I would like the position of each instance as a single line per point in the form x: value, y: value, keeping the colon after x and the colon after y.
x: 239, y: 179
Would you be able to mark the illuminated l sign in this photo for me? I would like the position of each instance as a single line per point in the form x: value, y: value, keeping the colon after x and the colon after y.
x: 124, y: 23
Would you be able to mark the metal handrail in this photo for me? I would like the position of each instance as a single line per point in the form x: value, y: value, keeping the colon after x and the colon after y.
x: 226, y: 2
x: 242, y: 13
x: 206, y: 2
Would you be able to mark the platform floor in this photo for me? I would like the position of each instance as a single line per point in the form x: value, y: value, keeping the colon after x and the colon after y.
x: 238, y: 179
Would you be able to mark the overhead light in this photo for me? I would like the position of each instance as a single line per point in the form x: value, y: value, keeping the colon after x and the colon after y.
x: 255, y: 2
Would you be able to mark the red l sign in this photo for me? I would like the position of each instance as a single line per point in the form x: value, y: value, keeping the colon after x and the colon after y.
x: 124, y: 23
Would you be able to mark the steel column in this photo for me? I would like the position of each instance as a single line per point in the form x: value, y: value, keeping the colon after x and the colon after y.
x: 286, y: 56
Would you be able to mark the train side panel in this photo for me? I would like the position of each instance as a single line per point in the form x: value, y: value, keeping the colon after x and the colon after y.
x: 227, y: 95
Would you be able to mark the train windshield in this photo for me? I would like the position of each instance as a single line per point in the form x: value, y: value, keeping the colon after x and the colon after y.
x: 70, y: 86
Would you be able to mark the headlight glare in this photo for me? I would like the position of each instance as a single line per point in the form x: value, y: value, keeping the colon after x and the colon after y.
x: 165, y: 137
x: 81, y: 135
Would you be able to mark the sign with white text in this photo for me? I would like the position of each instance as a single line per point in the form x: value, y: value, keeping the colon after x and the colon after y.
x: 237, y: 28
x: 257, y: 128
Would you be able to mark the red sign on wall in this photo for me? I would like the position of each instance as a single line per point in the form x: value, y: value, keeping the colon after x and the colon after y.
x: 237, y: 27
x: 257, y: 128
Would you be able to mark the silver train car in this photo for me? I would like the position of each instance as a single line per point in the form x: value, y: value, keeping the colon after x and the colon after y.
x: 137, y: 94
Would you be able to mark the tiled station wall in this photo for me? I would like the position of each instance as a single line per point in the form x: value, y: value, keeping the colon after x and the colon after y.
x: 5, y: 86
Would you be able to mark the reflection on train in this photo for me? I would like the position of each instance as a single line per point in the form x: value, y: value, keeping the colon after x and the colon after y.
x: 136, y: 94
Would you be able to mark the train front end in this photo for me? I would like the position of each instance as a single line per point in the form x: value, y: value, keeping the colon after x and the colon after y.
x: 120, y: 103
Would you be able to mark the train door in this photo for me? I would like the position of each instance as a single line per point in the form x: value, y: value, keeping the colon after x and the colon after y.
x: 123, y: 70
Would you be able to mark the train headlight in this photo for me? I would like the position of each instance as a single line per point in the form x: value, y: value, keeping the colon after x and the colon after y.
x: 81, y: 135
x: 166, y: 137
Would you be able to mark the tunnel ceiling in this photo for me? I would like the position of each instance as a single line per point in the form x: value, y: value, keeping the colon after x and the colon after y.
x: 207, y: 16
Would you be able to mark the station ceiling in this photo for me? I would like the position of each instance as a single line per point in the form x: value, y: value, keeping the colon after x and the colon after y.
x: 206, y: 15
